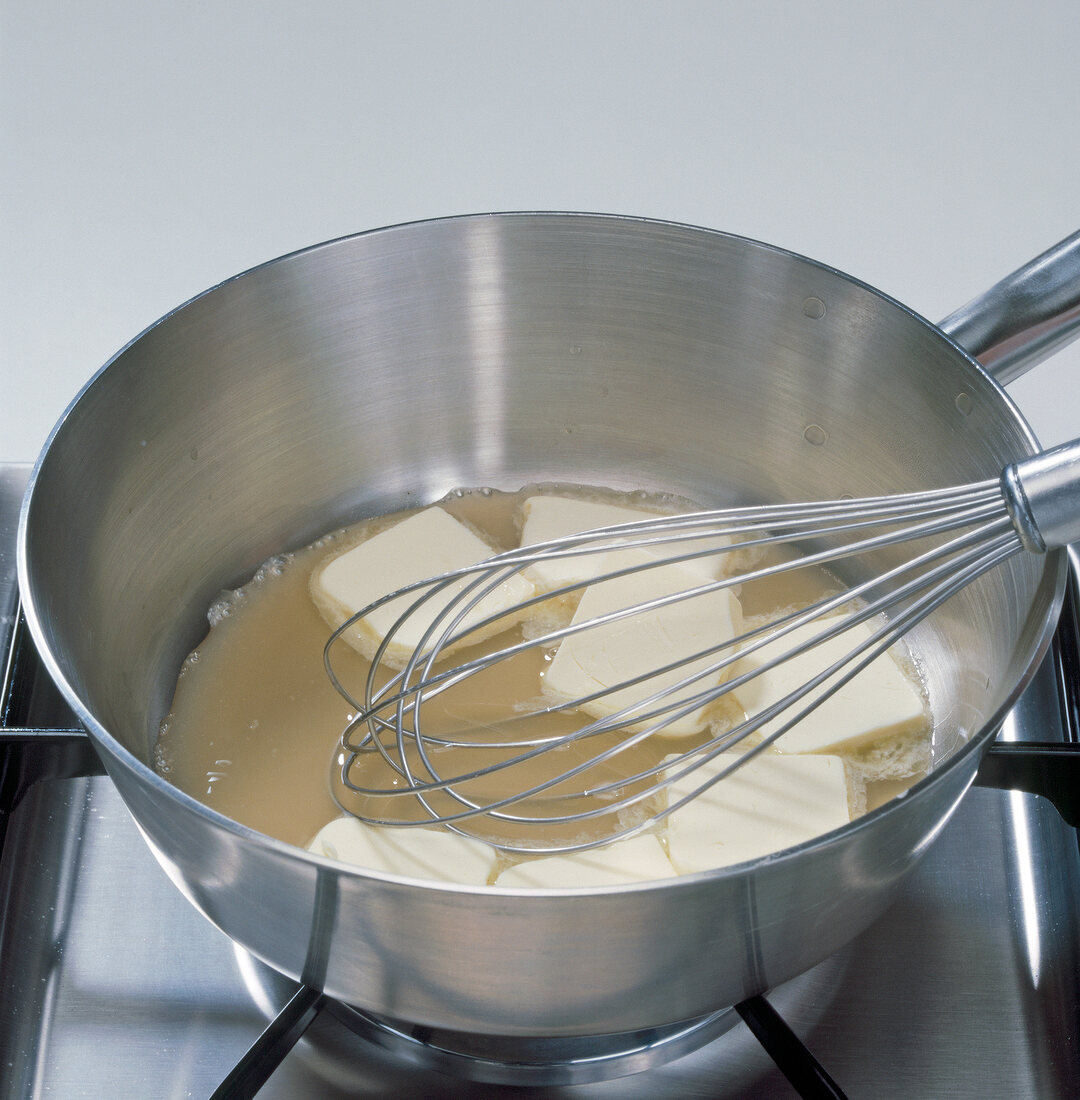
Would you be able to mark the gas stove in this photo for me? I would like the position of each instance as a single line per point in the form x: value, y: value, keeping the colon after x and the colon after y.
x: 111, y: 984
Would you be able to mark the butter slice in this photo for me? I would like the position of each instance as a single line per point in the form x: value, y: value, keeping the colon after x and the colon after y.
x: 636, y: 859
x: 548, y: 517
x: 417, y: 852
x: 770, y: 803
x: 606, y: 655
x: 426, y: 544
x: 880, y: 702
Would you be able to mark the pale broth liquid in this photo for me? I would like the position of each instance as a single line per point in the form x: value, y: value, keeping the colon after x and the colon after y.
x: 255, y: 722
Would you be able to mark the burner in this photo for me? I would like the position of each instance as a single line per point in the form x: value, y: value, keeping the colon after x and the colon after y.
x: 356, y: 1038
x: 496, y: 1059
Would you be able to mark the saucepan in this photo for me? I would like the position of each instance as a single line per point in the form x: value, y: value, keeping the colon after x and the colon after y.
x: 385, y: 369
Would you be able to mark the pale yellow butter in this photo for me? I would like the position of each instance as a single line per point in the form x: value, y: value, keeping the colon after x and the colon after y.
x: 636, y: 859
x: 426, y: 544
x: 769, y: 803
x: 415, y: 852
x: 549, y: 517
x: 880, y: 702
x: 607, y: 655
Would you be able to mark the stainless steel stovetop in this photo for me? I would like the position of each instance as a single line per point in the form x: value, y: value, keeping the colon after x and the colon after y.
x: 112, y: 985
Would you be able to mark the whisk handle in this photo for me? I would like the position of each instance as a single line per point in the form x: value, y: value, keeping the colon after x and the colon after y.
x: 1042, y: 494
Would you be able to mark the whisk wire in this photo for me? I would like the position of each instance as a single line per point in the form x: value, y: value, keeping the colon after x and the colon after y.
x: 407, y: 700
x: 955, y: 535
x: 882, y: 640
x: 461, y: 605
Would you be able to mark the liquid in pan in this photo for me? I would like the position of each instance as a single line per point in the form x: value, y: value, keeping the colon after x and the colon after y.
x: 255, y: 719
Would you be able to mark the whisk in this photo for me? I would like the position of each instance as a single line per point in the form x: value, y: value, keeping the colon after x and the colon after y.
x: 947, y: 538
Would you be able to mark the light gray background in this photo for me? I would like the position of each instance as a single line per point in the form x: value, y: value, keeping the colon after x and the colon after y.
x: 148, y: 150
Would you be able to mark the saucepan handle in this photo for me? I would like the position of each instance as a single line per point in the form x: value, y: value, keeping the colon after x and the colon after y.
x: 57, y: 751
x: 1025, y: 317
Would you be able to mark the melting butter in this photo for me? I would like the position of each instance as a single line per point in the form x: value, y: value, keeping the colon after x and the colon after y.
x: 255, y: 694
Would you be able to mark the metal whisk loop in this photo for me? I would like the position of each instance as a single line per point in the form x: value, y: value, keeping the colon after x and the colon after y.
x: 956, y: 535
x: 390, y: 716
x: 977, y: 561
x: 800, y: 523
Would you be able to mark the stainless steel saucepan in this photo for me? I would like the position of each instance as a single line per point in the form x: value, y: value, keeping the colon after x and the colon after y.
x: 383, y: 370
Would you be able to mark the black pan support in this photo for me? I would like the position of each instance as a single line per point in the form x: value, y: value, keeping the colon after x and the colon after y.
x: 1048, y: 768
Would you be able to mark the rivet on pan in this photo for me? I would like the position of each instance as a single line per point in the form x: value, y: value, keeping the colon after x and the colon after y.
x: 815, y: 435
x: 964, y: 403
x: 813, y: 308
